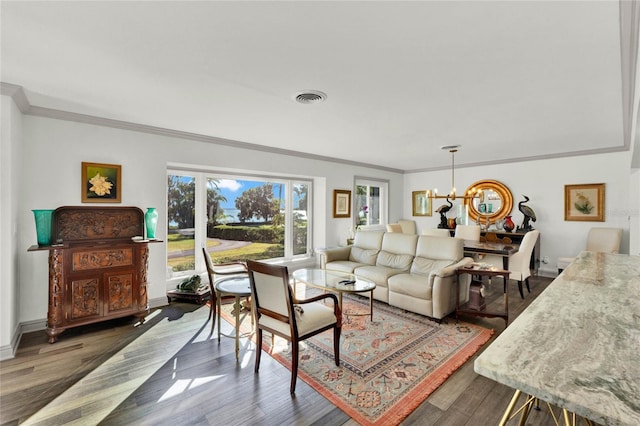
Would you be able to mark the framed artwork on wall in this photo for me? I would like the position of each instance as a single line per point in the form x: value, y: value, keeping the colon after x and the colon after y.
x: 584, y: 202
x: 341, y: 203
x: 101, y: 183
x: 420, y: 203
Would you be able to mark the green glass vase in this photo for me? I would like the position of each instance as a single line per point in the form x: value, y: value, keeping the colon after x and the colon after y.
x: 151, y: 220
x: 43, y: 226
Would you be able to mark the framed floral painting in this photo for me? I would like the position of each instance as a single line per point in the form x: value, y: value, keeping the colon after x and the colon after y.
x: 584, y: 202
x: 101, y: 183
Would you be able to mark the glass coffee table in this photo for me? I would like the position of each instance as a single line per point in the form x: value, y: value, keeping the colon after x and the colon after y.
x: 335, y: 281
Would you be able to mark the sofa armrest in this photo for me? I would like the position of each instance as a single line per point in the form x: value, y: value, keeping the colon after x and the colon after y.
x: 444, y: 283
x: 451, y: 269
x: 333, y: 254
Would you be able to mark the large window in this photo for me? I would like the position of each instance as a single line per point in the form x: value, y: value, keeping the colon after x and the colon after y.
x: 370, y: 202
x: 236, y: 218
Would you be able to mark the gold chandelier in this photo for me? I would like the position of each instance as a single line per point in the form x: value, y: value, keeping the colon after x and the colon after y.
x: 472, y: 193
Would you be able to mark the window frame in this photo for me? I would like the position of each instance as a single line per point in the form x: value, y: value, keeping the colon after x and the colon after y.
x: 383, y: 203
x: 200, y: 205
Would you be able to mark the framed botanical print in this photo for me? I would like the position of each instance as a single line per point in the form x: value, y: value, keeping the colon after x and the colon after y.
x: 341, y: 203
x: 420, y: 203
x: 101, y: 183
x: 584, y: 202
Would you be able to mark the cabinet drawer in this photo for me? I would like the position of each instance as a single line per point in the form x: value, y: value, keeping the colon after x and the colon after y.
x: 98, y: 259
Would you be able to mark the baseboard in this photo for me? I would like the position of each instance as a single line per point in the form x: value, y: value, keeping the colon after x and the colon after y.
x: 9, y: 351
x: 156, y: 303
x: 548, y: 273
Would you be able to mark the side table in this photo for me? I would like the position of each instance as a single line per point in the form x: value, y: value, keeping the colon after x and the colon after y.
x: 492, y: 272
x: 238, y: 287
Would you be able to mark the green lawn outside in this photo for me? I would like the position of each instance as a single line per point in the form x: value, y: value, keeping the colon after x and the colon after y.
x: 177, y: 242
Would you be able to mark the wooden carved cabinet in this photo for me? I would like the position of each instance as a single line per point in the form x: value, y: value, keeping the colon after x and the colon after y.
x: 96, y: 271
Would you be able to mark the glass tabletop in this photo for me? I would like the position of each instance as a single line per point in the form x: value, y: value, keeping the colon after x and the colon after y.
x: 237, y: 286
x: 334, y: 280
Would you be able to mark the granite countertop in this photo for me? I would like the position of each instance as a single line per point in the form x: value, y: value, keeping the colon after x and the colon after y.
x: 577, y: 346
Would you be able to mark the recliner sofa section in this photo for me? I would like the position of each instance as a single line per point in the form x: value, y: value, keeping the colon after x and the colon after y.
x: 415, y: 273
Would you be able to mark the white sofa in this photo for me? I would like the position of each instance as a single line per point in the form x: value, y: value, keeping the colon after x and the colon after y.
x: 412, y: 272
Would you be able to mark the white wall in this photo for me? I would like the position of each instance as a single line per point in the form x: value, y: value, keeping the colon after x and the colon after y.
x: 41, y: 157
x: 10, y: 151
x: 543, y: 182
x: 50, y: 177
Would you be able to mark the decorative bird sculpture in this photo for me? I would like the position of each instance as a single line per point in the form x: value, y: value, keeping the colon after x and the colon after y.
x: 443, y: 209
x: 528, y: 213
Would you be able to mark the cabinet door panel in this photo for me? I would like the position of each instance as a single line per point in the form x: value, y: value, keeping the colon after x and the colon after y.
x: 85, y: 298
x: 119, y: 291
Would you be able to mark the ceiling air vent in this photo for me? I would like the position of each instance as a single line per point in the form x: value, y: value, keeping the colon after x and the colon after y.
x: 310, y: 97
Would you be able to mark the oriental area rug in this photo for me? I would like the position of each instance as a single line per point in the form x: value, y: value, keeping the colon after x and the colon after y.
x: 388, y: 366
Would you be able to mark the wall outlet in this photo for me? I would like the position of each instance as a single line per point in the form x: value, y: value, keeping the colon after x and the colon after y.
x: 545, y: 260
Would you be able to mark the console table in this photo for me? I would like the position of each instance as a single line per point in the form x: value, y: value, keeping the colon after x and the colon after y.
x: 576, y: 345
x: 492, y: 272
x: 96, y: 271
x: 516, y: 238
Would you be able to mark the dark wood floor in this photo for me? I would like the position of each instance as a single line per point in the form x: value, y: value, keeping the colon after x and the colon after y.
x: 202, y: 384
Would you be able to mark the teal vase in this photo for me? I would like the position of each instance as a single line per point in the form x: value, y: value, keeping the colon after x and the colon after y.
x: 151, y: 220
x: 43, y: 226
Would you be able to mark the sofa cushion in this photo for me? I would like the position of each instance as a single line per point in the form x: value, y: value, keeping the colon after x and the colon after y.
x: 395, y: 261
x: 368, y: 239
x: 344, y: 266
x: 414, y: 285
x: 424, y: 266
x: 366, y: 246
x: 440, y: 248
x: 394, y: 242
x: 434, y: 253
x: 364, y: 256
x: 377, y: 274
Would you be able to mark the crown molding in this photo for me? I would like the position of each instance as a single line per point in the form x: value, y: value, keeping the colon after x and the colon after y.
x: 524, y: 159
x: 17, y: 94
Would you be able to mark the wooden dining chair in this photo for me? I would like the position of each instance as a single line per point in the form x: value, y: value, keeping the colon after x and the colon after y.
x: 280, y: 313
x: 224, y: 269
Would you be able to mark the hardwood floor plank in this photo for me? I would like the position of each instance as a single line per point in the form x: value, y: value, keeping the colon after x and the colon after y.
x: 119, y: 373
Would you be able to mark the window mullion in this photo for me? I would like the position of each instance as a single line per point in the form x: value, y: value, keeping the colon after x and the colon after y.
x: 200, y: 219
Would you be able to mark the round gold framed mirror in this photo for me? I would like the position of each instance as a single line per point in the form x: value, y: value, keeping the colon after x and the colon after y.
x: 495, y: 201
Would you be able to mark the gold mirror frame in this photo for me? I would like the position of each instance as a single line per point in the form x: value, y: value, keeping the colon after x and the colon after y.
x: 500, y: 189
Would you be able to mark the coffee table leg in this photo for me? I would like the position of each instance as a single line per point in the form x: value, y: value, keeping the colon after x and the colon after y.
x: 371, y: 304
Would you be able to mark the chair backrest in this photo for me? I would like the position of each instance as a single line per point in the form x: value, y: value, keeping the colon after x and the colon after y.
x: 408, y: 226
x: 468, y: 232
x: 270, y: 292
x: 519, y: 263
x: 210, y: 273
x: 394, y: 227
x: 605, y: 240
x: 436, y: 232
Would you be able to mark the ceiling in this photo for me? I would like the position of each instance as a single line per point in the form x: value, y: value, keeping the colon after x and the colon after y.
x: 506, y: 80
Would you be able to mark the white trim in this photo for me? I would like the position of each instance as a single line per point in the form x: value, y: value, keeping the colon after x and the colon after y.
x: 9, y: 351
